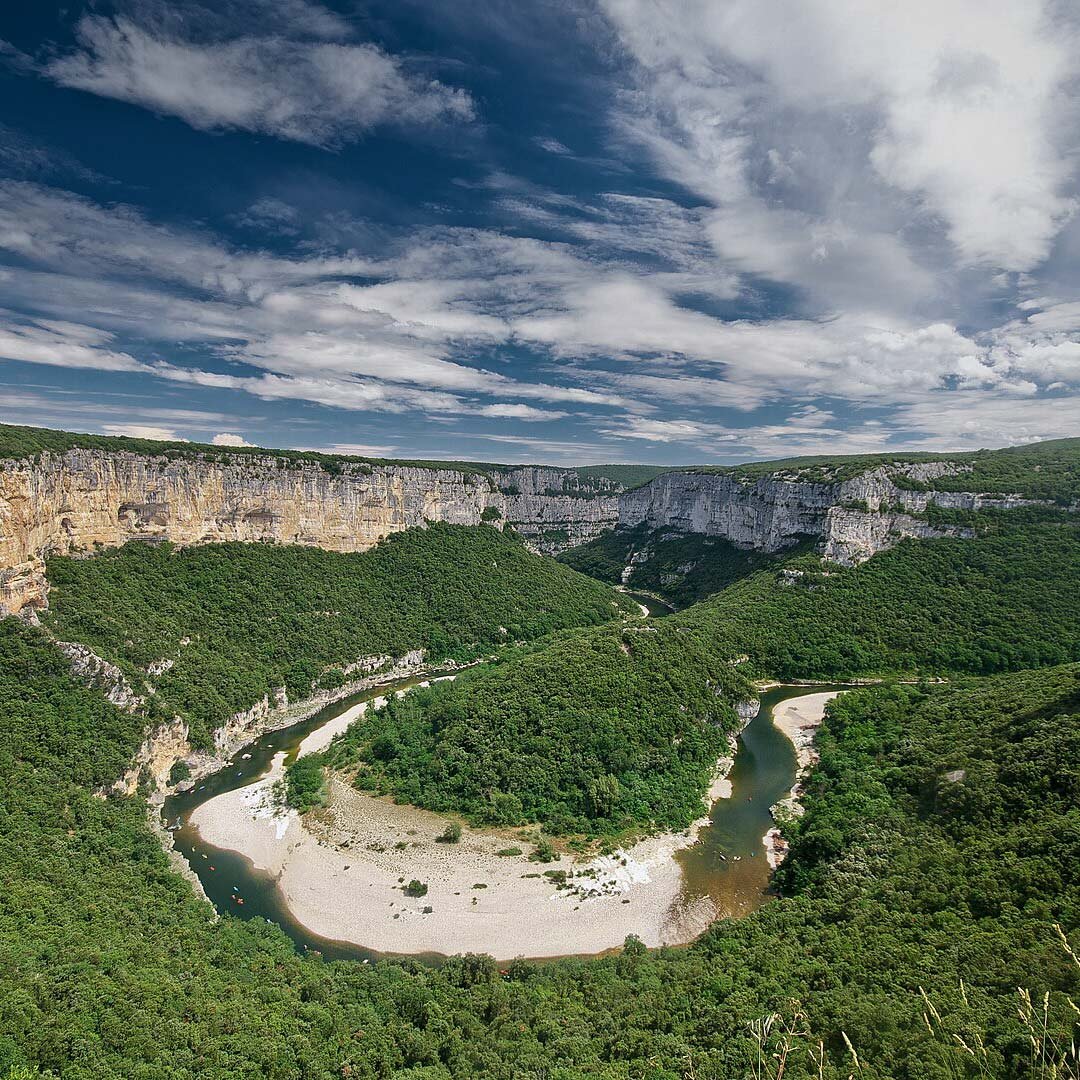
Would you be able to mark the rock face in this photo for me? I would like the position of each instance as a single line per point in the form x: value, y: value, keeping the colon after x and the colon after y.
x: 74, y: 501
x: 91, y: 669
x: 71, y: 502
x: 851, y: 519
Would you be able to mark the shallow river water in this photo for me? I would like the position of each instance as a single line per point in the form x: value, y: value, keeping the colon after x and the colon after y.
x: 727, y: 863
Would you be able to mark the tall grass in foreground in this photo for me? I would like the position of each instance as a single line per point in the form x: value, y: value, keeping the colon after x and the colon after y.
x: 786, y: 1038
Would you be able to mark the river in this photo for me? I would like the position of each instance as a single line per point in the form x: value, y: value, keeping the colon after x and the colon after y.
x: 727, y: 865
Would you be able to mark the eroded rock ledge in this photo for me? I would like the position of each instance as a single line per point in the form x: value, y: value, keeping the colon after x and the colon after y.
x: 851, y: 519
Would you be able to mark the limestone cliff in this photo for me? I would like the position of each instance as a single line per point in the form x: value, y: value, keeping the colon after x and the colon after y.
x: 851, y: 519
x: 82, y: 498
x: 76, y: 500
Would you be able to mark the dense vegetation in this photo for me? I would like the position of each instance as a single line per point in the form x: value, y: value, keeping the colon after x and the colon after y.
x: 635, y: 708
x: 1042, y: 470
x: 255, y: 617
x: 905, y: 874
x: 598, y: 731
x: 28, y: 442
x: 1005, y: 600
x: 682, y: 567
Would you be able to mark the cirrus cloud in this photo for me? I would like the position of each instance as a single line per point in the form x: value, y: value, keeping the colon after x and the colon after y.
x: 318, y: 92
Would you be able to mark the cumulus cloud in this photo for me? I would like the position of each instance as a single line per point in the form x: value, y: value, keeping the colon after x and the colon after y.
x: 227, y: 438
x: 318, y: 92
x: 847, y: 112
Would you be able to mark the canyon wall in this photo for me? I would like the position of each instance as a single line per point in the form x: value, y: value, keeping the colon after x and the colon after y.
x: 73, y: 501
x: 77, y: 500
x: 851, y: 519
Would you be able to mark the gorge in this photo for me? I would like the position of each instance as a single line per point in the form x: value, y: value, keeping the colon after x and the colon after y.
x: 937, y: 843
x: 79, y: 498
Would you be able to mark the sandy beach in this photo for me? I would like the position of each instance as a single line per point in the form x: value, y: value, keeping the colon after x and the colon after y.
x: 798, y: 718
x: 341, y: 872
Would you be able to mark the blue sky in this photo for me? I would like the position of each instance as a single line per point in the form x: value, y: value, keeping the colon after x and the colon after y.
x: 616, y: 230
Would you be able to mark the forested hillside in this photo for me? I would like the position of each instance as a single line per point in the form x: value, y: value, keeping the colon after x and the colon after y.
x: 597, y: 731
x: 1007, y: 599
x: 682, y: 567
x: 238, y: 620
x: 635, y: 711
x: 942, y: 842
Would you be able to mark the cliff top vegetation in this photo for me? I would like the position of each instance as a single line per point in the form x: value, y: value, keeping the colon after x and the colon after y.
x: 17, y: 442
x: 1041, y: 470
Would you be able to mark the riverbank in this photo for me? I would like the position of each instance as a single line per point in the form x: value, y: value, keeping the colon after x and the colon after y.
x: 340, y: 872
x: 798, y: 718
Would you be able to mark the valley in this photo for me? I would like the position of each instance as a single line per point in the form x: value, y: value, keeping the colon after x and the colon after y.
x: 173, y: 661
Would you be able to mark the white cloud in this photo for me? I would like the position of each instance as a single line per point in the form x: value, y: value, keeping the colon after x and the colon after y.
x: 971, y: 421
x: 956, y: 104
x: 382, y: 450
x: 552, y: 146
x: 517, y: 411
x: 666, y: 431
x: 62, y: 344
x: 142, y: 431
x: 227, y: 438
x: 319, y: 92
x: 620, y: 336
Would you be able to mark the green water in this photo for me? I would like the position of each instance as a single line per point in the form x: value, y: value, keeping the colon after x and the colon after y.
x: 763, y: 773
x: 227, y: 878
x: 728, y: 862
x: 655, y: 605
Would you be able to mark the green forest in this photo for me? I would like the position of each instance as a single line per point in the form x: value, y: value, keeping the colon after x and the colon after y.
x: 1005, y: 600
x: 238, y: 620
x: 642, y: 710
x: 681, y: 567
x: 940, y: 847
x: 598, y: 731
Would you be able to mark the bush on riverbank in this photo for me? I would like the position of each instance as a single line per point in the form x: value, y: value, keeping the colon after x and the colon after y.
x: 305, y: 786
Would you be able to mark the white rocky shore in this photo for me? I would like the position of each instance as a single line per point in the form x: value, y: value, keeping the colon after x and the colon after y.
x: 798, y: 718
x: 342, y: 871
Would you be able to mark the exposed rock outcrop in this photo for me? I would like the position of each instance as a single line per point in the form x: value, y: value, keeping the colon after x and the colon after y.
x: 79, y: 499
x: 850, y: 519
x: 167, y: 743
x: 92, y: 670
x: 74, y: 501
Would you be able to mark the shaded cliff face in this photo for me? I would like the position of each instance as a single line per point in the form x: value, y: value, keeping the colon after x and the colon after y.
x: 73, y: 501
x: 852, y: 520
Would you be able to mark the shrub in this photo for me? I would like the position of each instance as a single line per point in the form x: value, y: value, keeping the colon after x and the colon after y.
x: 180, y: 771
